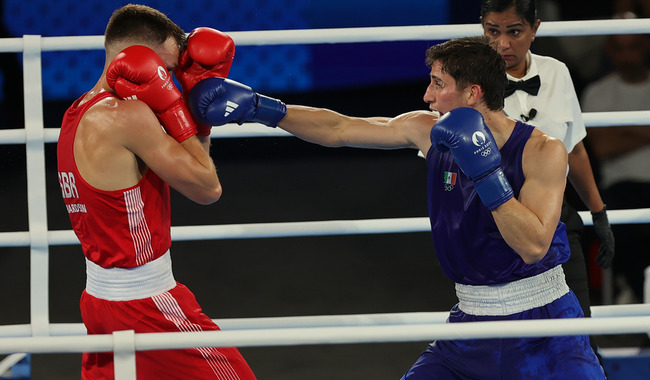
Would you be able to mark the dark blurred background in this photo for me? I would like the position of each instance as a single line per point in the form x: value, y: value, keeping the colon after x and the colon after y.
x: 265, y: 179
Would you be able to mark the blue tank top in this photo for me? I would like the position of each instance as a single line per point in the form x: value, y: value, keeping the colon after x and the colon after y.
x: 466, y: 239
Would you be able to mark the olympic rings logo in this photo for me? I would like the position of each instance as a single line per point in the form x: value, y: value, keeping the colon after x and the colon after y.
x: 486, y: 152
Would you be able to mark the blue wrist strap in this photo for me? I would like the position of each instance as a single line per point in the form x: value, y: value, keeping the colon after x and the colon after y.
x: 269, y: 111
x: 494, y: 189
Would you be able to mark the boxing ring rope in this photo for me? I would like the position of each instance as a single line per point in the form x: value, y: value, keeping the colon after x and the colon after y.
x: 41, y: 336
x: 349, y: 320
x: 295, y: 229
x: 330, y: 335
x: 367, y: 34
x: 591, y: 119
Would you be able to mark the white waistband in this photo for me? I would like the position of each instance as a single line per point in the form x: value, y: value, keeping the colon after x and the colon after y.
x: 513, y: 297
x: 125, y: 284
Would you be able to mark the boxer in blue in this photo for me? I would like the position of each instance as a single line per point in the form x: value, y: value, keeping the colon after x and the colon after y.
x: 495, y: 194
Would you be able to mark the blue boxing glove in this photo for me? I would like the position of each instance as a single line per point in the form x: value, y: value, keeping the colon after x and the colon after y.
x: 463, y: 132
x: 217, y: 101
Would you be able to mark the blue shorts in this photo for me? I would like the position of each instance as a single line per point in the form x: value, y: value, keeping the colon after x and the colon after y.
x: 561, y: 357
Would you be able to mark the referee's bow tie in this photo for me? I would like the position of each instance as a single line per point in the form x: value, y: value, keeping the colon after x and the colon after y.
x: 531, y: 86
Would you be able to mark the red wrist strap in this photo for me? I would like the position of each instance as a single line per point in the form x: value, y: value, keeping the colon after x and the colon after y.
x: 178, y: 122
x: 203, y: 129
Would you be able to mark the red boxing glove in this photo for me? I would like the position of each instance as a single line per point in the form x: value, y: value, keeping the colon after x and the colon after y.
x: 137, y: 72
x: 209, y: 53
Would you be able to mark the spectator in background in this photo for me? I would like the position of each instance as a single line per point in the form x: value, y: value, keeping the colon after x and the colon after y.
x: 631, y: 8
x: 624, y: 154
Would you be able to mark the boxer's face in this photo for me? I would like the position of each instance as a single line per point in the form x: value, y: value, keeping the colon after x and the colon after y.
x: 442, y: 95
x: 169, y: 52
x: 512, y: 36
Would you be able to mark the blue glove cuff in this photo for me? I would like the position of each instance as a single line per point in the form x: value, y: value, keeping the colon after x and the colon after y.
x: 494, y: 189
x: 269, y: 111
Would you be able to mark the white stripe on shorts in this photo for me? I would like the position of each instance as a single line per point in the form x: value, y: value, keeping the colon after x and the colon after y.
x: 173, y: 313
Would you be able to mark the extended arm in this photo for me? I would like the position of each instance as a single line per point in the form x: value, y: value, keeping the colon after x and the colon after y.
x: 329, y: 128
x: 217, y: 101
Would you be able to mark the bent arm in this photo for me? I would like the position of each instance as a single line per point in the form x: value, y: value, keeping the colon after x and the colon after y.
x: 528, y: 223
x: 186, y: 167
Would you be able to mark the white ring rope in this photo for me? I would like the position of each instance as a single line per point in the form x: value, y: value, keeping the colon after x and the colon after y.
x: 333, y: 335
x: 232, y: 130
x: 398, y: 327
x: 377, y: 319
x: 371, y: 34
x: 294, y: 229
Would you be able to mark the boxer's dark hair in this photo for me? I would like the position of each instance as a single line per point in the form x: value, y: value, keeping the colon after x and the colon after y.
x: 142, y: 24
x: 473, y: 60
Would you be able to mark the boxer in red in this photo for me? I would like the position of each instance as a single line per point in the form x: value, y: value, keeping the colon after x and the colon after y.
x: 115, y: 167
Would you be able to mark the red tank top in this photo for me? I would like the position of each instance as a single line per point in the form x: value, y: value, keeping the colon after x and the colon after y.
x: 121, y: 228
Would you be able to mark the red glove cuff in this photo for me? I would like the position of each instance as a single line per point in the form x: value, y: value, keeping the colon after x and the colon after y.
x: 178, y: 122
x: 203, y: 129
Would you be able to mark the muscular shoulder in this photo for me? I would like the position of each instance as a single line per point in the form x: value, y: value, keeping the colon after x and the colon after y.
x: 117, y: 120
x: 109, y: 139
x: 415, y: 119
x: 544, y: 152
x: 416, y: 125
x: 115, y: 125
x: 111, y: 112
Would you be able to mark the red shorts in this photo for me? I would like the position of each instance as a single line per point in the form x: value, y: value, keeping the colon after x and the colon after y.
x: 172, y: 311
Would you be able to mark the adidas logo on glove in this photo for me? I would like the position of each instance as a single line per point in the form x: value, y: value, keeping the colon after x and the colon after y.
x: 230, y: 106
